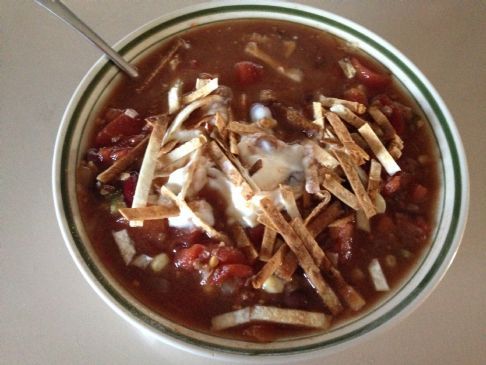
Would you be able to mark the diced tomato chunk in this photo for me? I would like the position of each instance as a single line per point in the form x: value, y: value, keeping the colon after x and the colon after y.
x: 385, y: 224
x: 368, y: 77
x: 419, y: 193
x: 105, y: 156
x: 192, y: 236
x: 248, y: 72
x: 150, y: 240
x: 122, y: 126
x: 398, y: 121
x: 186, y: 257
x: 392, y: 185
x: 230, y: 255
x: 412, y: 231
x: 129, y: 186
x: 357, y: 94
x: 422, y: 224
x: 343, y: 240
x: 230, y: 271
x: 118, y: 153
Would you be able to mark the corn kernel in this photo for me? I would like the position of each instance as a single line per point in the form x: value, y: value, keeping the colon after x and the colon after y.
x: 273, y: 285
x: 213, y: 261
x: 159, y: 262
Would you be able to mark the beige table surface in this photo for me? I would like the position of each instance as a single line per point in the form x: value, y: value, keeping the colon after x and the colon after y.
x: 50, y: 315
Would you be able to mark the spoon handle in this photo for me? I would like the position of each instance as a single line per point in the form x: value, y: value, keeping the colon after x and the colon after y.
x: 64, y: 13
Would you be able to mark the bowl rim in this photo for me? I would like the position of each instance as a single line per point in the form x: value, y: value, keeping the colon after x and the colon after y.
x: 436, y: 272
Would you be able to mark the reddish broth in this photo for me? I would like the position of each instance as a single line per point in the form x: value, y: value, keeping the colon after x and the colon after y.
x: 397, y: 237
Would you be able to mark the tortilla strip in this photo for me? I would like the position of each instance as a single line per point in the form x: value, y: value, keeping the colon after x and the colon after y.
x: 149, y: 213
x: 359, y: 155
x: 359, y: 140
x: 168, y: 169
x: 312, y: 272
x: 295, y: 317
x: 231, y: 319
x: 352, y: 298
x: 149, y: 164
x: 395, y: 147
x: 374, y: 179
x: 318, y: 117
x: 169, y: 146
x: 123, y: 163
x: 353, y: 106
x: 342, y: 221
x: 221, y: 123
x: 323, y: 219
x: 383, y: 122
x: 201, y: 83
x: 268, y: 243
x: 348, y: 115
x: 233, y: 169
x: 263, y: 219
x: 244, y: 128
x: 292, y: 73
x: 289, y: 265
x: 356, y: 184
x: 255, y: 167
x: 269, y: 268
x: 179, y: 43
x: 289, y: 201
x: 201, y: 92
x: 379, y: 150
x: 317, y: 209
x: 324, y: 195
x: 322, y: 156
x: 243, y: 242
x: 267, y: 123
x: 204, y: 122
x: 340, y: 192
x: 183, y: 150
x: 198, y: 221
x: 191, y: 169
x: 298, y: 121
x: 186, y: 112
x: 287, y: 316
x: 233, y: 144
x: 310, y: 244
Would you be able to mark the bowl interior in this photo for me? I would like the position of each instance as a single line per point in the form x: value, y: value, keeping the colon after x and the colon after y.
x: 95, y: 87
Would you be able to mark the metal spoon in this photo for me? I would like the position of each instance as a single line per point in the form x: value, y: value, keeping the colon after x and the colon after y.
x: 64, y: 13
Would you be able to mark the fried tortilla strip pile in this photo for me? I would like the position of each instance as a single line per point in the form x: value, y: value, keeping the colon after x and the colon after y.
x: 305, y: 260
x: 361, y: 195
x: 354, y: 106
x: 353, y: 299
x: 149, y: 165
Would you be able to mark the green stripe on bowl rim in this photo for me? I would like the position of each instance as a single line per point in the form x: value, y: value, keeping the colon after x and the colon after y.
x: 321, y: 17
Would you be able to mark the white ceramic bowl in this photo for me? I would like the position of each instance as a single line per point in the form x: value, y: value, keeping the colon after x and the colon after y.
x: 451, y: 211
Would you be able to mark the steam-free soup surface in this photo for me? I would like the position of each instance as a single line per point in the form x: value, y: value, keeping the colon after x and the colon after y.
x: 200, y: 277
